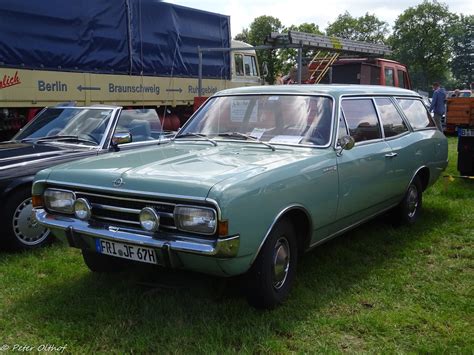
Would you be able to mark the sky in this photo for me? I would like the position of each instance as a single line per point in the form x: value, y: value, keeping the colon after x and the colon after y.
x: 296, y: 12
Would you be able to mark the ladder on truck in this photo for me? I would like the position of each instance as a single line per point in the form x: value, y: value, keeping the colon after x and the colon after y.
x: 329, y: 50
x: 319, y: 66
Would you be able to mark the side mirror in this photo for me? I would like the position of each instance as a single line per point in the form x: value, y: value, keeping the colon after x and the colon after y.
x: 346, y: 143
x: 121, y: 138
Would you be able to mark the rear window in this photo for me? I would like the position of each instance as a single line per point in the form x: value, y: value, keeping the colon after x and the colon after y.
x: 417, y: 114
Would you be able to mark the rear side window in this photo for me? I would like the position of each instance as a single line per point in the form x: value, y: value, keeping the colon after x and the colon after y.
x: 392, y: 122
x: 361, y: 119
x: 416, y: 113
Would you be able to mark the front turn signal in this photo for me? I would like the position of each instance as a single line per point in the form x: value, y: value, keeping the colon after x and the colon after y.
x: 223, y: 228
x: 37, y: 201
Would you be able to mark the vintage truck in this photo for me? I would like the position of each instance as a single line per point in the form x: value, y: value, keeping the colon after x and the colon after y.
x: 130, y: 53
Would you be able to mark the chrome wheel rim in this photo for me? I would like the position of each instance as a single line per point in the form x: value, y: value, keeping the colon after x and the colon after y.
x: 281, y: 262
x: 412, y: 201
x: 27, y: 230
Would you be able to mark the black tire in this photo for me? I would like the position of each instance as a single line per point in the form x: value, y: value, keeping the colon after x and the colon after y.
x: 22, y: 232
x: 103, y: 263
x: 268, y: 286
x: 408, y: 211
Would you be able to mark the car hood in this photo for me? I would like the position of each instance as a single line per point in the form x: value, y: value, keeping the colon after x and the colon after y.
x: 28, y: 156
x: 179, y: 168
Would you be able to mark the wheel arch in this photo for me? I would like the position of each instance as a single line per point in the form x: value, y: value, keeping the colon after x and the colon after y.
x: 423, y: 173
x: 16, y: 184
x: 300, y: 218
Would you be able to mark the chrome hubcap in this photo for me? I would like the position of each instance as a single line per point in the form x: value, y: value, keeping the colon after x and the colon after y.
x: 412, y: 201
x: 26, y: 228
x: 281, y: 262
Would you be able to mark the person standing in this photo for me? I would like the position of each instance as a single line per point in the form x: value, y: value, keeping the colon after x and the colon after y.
x: 438, y: 106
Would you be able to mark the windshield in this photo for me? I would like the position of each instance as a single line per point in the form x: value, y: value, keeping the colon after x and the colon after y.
x: 285, y: 119
x: 87, y: 124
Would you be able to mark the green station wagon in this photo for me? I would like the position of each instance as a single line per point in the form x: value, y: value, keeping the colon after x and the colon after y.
x: 256, y: 177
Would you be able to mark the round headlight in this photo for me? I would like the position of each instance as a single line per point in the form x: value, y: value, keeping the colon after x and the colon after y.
x: 149, y: 219
x: 82, y: 209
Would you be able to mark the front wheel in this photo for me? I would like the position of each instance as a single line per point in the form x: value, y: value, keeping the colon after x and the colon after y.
x: 409, y: 209
x: 22, y: 231
x: 273, y: 272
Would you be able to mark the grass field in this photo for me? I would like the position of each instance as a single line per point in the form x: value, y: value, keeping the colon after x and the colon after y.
x: 376, y: 289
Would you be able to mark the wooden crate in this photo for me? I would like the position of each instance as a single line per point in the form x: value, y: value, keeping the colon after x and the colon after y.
x: 460, y: 111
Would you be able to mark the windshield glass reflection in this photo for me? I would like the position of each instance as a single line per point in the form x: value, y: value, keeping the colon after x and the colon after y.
x: 284, y: 119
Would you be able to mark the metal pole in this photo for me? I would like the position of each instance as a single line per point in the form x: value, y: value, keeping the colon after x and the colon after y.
x: 300, y: 62
x: 200, y: 72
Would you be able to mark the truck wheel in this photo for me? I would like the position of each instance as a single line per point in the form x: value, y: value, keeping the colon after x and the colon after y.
x: 409, y: 209
x: 102, y: 263
x: 22, y: 232
x: 271, y: 276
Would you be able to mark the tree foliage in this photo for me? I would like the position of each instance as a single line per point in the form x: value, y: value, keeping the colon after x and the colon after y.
x: 243, y: 36
x: 462, y: 64
x: 367, y: 28
x: 421, y: 40
x: 258, y: 31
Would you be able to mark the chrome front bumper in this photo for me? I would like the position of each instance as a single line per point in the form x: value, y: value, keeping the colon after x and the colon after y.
x: 70, y: 228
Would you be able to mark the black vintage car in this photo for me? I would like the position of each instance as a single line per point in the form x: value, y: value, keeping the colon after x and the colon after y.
x: 56, y: 135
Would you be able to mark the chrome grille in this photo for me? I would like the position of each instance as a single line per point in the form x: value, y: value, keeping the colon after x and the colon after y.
x: 124, y: 211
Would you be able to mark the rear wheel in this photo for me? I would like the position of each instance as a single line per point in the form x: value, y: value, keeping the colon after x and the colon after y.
x: 102, y: 263
x: 22, y: 232
x: 271, y: 277
x: 409, y: 209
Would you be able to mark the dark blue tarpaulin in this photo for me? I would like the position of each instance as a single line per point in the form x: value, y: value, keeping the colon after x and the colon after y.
x: 146, y: 37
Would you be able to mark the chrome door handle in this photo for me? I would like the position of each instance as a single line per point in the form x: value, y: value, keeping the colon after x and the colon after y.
x: 391, y: 155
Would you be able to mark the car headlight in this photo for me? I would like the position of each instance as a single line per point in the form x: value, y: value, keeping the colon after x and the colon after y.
x: 149, y: 219
x: 82, y: 209
x: 59, y: 200
x: 195, y: 219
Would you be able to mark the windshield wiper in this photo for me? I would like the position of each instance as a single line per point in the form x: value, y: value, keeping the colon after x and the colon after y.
x: 246, y: 136
x: 199, y: 135
x: 65, y: 138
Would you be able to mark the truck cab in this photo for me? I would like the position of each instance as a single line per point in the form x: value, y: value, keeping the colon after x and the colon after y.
x: 244, y: 64
x: 369, y: 71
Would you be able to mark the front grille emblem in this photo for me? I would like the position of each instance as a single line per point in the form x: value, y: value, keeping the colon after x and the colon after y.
x: 118, y: 182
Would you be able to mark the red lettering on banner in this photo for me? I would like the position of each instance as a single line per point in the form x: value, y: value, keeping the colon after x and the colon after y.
x: 8, y: 80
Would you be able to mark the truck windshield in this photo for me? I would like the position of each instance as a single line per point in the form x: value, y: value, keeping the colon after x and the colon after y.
x: 275, y: 119
x: 87, y: 124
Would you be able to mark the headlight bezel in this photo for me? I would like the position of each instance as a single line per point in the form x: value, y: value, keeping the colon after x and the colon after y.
x: 156, y: 217
x: 47, y: 199
x: 195, y: 230
x: 87, y: 209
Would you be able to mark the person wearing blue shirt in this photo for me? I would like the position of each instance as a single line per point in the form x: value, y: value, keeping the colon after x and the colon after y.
x: 438, y: 106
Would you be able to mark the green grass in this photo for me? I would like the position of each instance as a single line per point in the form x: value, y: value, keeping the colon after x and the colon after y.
x: 376, y: 289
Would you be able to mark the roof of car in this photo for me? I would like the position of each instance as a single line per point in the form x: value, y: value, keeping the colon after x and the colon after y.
x: 333, y: 90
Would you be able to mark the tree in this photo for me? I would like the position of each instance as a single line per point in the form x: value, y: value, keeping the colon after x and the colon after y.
x: 462, y: 64
x: 421, y: 40
x: 367, y: 28
x: 259, y: 29
x: 243, y: 36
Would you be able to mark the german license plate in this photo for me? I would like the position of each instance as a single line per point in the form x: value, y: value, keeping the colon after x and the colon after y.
x: 466, y: 132
x: 126, y: 251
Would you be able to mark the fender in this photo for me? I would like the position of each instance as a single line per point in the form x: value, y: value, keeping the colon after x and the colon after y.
x: 13, y: 184
x: 277, y: 219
